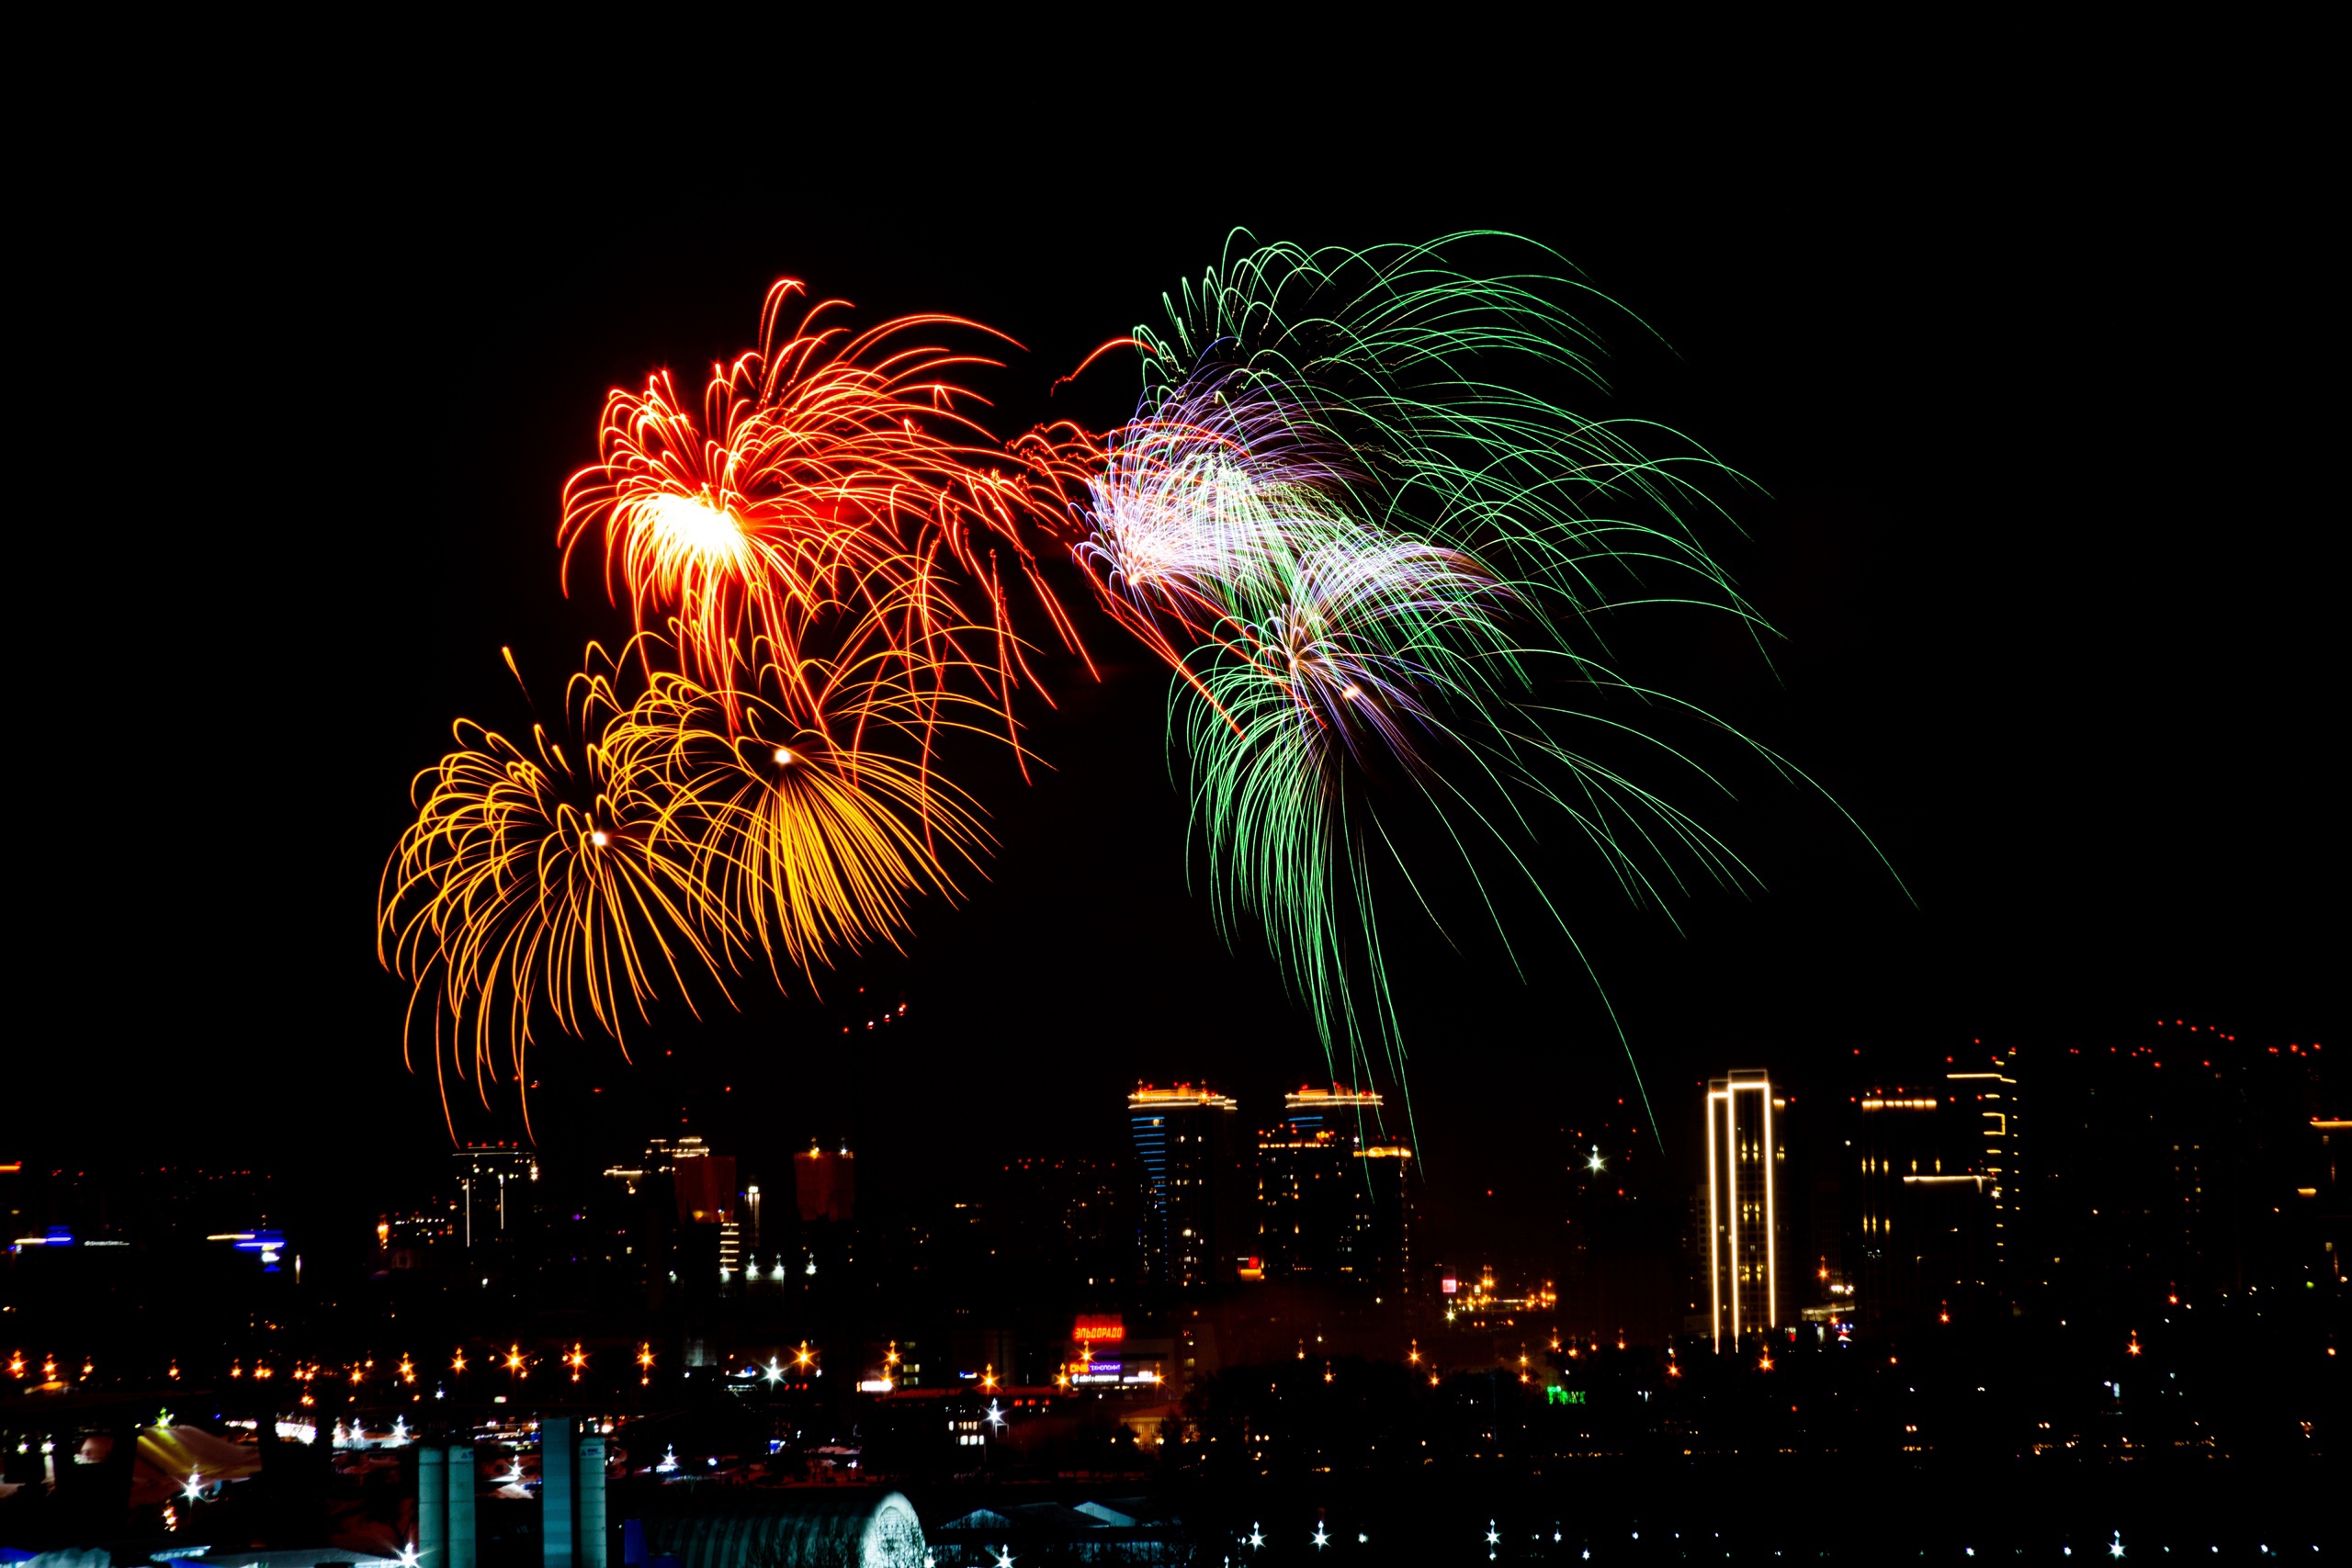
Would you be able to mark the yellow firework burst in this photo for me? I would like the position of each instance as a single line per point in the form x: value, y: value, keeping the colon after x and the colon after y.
x: 537, y: 876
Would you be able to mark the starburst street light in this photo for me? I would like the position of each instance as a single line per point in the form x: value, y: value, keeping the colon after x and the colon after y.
x: 996, y: 1416
x: 1321, y: 1539
x: 194, y: 1487
x: 1595, y: 1163
x: 1494, y: 1536
x: 2115, y: 1547
x: 776, y: 1373
x: 1257, y: 1535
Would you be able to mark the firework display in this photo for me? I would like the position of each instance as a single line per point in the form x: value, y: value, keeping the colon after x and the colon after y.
x: 1351, y: 513
x: 823, y: 562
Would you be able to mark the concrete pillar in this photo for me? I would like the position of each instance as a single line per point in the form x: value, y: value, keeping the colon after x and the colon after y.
x: 431, y: 1506
x: 556, y: 1493
x: 592, y: 1553
x: 463, y: 1481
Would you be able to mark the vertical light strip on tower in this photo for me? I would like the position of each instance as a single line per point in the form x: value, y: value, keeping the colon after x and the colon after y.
x: 1772, y: 1226
x: 1727, y: 1263
x: 1715, y: 1235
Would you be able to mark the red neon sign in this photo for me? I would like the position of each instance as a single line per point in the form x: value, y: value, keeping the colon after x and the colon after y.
x: 1103, y: 1328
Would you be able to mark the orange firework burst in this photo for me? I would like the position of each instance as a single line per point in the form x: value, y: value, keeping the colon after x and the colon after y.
x: 536, y: 876
x: 827, y: 467
x: 680, y: 831
x: 816, y: 818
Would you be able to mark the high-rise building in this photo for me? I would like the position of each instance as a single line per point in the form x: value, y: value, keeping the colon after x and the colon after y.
x: 493, y: 1187
x: 1334, y: 1197
x: 824, y: 1183
x: 1619, y: 1276
x: 1745, y: 1153
x: 1921, y: 1212
x: 1990, y: 1101
x: 1185, y: 1142
x: 2181, y: 1166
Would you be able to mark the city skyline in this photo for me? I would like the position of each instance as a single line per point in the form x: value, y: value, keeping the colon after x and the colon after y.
x: 1963, y: 1065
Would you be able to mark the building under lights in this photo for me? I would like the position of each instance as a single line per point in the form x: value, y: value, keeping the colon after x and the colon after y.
x: 1335, y: 1199
x: 1922, y: 1210
x: 1988, y: 1106
x: 1186, y: 1143
x: 1746, y: 1151
x: 494, y: 1191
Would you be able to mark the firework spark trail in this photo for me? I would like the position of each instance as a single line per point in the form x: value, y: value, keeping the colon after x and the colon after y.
x: 1374, y: 558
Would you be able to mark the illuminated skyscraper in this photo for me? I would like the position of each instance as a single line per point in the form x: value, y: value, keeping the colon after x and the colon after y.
x: 1745, y: 1153
x: 1993, y: 1099
x: 493, y: 1186
x: 1184, y: 1138
x: 1920, y: 1248
x: 1334, y: 1197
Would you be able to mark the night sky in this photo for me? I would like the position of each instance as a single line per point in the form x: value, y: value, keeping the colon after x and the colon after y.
x: 2042, y: 513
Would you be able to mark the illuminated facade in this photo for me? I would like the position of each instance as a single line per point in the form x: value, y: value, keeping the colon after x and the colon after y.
x: 1335, y: 1200
x: 1744, y: 1153
x: 1338, y: 1109
x: 493, y: 1186
x: 1991, y: 1098
x: 1922, y: 1225
x: 1186, y: 1144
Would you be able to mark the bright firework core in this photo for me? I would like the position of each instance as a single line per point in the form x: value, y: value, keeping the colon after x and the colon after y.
x: 692, y: 524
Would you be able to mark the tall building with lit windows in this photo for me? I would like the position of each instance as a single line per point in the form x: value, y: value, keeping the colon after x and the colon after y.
x: 495, y: 1190
x: 1921, y: 1233
x: 1987, y: 1107
x: 1335, y: 1198
x: 1190, y: 1155
x: 1746, y: 1151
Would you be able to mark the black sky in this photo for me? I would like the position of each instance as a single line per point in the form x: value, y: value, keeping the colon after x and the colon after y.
x: 2042, y: 514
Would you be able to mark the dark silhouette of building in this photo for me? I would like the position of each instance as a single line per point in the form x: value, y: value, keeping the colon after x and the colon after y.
x: 824, y: 1183
x: 1623, y: 1274
x: 2177, y: 1169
